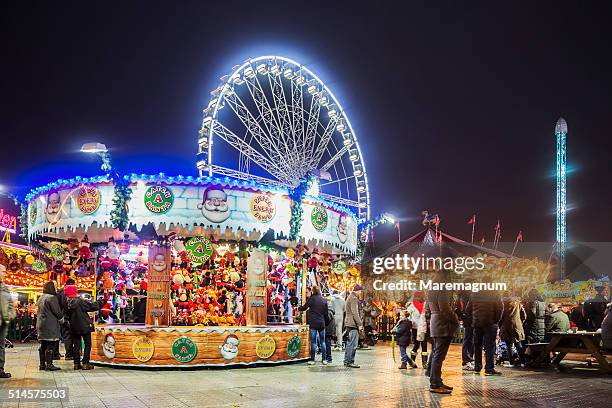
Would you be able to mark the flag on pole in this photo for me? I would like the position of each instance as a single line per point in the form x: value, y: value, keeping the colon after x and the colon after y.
x: 519, y: 237
x: 472, y: 220
x: 482, y: 241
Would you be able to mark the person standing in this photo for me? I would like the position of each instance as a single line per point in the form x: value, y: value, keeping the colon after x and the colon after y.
x: 403, y: 333
x: 81, y: 325
x: 316, y: 319
x: 511, y: 328
x: 419, y: 328
x: 486, y: 309
x: 606, y: 328
x: 443, y: 325
x: 467, y: 344
x: 330, y: 329
x: 338, y: 305
x: 595, y: 309
x: 65, y: 326
x: 48, y: 326
x: 7, y: 313
x: 354, y: 325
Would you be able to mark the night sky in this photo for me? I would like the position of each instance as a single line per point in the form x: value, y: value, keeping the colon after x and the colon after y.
x: 454, y: 106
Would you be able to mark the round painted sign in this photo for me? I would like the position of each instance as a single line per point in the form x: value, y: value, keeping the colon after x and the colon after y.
x: 158, y: 199
x: 57, y: 252
x: 88, y: 199
x: 293, y: 346
x: 266, y: 346
x: 339, y: 267
x: 199, y: 249
x: 33, y: 213
x: 262, y: 207
x: 143, y: 349
x: 184, y: 349
x: 319, y: 218
x: 39, y: 266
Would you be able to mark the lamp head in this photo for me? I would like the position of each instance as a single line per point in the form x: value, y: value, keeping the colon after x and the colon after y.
x: 94, y: 148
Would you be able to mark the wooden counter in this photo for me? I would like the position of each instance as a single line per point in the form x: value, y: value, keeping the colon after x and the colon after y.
x: 188, y: 346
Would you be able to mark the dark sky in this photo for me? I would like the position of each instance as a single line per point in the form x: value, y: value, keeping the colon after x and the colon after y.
x: 454, y: 106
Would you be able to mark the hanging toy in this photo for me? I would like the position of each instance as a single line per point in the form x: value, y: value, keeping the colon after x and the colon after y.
x: 84, y: 250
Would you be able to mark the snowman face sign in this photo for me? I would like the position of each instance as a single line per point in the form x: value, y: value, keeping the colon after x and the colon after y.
x: 229, y: 349
x: 159, y: 263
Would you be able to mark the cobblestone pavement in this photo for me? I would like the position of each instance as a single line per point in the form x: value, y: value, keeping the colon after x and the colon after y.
x: 377, y: 384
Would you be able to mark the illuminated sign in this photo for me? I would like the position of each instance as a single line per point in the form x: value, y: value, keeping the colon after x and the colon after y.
x: 8, y: 222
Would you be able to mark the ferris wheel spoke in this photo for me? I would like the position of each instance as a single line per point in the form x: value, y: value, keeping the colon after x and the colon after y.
x: 298, y: 120
x: 253, y: 127
x: 327, y: 134
x: 280, y: 102
x: 311, y: 127
x: 334, y: 158
x: 267, y: 115
x: 247, y: 150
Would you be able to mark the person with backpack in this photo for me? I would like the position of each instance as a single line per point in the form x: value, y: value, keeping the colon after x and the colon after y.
x: 330, y: 330
x: 317, y: 320
x: 403, y: 332
x: 81, y: 325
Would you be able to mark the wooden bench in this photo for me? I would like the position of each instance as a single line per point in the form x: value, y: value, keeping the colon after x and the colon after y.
x: 580, y: 343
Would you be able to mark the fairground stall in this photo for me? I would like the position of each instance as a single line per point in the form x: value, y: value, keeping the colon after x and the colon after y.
x: 210, y: 270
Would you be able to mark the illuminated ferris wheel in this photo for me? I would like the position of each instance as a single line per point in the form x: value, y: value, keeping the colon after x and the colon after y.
x: 272, y: 121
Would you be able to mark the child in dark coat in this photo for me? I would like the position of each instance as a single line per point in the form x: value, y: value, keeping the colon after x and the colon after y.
x: 403, y: 331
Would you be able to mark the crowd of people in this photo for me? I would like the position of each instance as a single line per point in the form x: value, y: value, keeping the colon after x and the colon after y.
x: 499, y: 325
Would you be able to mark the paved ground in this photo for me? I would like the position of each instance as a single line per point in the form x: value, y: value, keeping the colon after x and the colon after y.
x: 377, y: 384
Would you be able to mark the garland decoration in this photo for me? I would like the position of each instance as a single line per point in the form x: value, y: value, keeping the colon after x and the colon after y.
x: 363, y: 231
x: 123, y: 193
x: 24, y: 222
x: 297, y: 212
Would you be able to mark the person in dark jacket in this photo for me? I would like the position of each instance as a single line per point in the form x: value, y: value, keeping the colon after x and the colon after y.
x: 65, y: 326
x: 467, y: 345
x: 403, y: 332
x: 511, y: 328
x: 330, y: 330
x: 443, y: 325
x: 534, y: 324
x: 594, y: 309
x: 48, y: 326
x: 577, y: 317
x: 81, y: 325
x: 606, y: 328
x: 556, y: 321
x: 317, y: 320
x: 485, y: 308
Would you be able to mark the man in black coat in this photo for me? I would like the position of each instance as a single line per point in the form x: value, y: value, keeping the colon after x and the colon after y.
x: 317, y: 319
x: 65, y: 327
x: 485, y: 309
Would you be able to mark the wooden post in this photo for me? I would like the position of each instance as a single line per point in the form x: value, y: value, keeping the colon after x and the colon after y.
x: 158, y: 293
x: 256, y: 293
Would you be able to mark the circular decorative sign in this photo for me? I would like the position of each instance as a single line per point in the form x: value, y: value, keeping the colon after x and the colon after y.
x: 293, y: 346
x: 262, y: 207
x: 39, y: 266
x: 199, y: 249
x: 339, y: 267
x: 319, y: 218
x: 184, y: 349
x: 88, y: 199
x: 266, y: 346
x: 143, y: 349
x: 158, y: 199
x: 57, y: 252
x: 33, y: 213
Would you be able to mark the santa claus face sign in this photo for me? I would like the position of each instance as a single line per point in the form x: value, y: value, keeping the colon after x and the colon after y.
x: 159, y: 263
x: 54, y: 207
x: 214, y: 205
x: 229, y: 349
x: 343, y: 228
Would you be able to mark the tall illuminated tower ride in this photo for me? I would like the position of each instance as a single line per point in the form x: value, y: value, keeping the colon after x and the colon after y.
x: 561, y: 134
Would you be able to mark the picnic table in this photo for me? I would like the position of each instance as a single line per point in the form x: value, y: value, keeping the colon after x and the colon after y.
x: 580, y: 343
